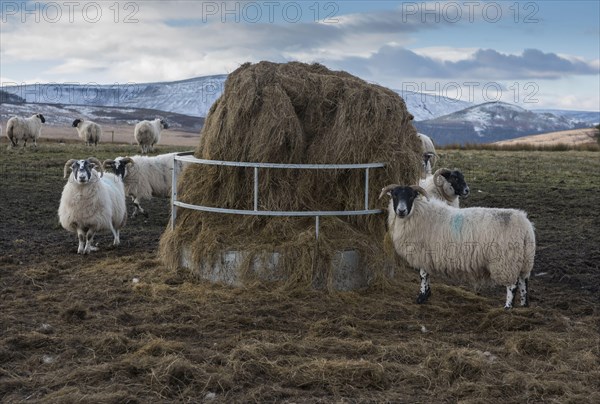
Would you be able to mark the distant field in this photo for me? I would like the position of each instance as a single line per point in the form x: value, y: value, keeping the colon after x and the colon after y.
x: 567, y: 137
x: 80, y: 329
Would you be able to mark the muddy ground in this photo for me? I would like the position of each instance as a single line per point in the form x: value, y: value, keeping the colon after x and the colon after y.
x: 117, y: 327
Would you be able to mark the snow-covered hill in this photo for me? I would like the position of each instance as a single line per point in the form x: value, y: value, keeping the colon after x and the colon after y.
x: 427, y: 106
x: 188, y: 97
x: 588, y: 117
x: 493, y: 121
x: 445, y: 119
x: 192, y: 97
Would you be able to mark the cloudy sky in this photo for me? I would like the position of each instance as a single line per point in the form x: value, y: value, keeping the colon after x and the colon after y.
x: 539, y: 54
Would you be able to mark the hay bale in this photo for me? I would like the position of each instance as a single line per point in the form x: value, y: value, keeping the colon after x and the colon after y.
x: 299, y: 114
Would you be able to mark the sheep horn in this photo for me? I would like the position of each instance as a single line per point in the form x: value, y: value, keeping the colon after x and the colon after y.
x: 127, y: 160
x: 68, y: 165
x: 98, y: 164
x: 436, y: 176
x: 108, y: 164
x: 420, y: 190
x: 384, y: 190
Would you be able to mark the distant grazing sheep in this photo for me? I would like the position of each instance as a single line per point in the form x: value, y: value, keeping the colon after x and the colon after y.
x: 24, y: 128
x: 88, y: 131
x: 91, y: 201
x: 147, y: 133
x: 473, y: 244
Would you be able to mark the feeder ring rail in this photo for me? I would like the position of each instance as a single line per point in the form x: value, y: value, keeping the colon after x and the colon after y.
x: 187, y: 157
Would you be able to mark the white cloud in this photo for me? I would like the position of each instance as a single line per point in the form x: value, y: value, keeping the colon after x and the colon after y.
x: 446, y: 53
x: 166, y: 44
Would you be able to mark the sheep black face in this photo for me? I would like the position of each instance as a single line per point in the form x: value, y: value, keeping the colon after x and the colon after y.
x: 121, y: 166
x: 164, y: 124
x: 403, y: 198
x: 457, y: 181
x: 41, y: 117
x: 82, y: 171
x: 76, y: 122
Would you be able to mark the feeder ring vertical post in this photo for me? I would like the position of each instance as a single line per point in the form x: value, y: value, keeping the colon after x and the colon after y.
x: 174, y: 194
x: 317, y: 227
x: 367, y: 188
x: 255, y: 189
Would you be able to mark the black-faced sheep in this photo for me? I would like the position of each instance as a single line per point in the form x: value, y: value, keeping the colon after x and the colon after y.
x: 88, y: 131
x: 147, y: 133
x: 144, y: 176
x: 446, y: 185
x: 24, y: 128
x: 91, y: 202
x: 474, y: 244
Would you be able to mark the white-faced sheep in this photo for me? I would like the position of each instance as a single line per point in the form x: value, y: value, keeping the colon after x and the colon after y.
x: 24, y: 128
x: 429, y: 155
x: 446, y: 185
x: 91, y: 202
x: 88, y: 131
x: 475, y: 244
x: 144, y: 176
x: 147, y: 133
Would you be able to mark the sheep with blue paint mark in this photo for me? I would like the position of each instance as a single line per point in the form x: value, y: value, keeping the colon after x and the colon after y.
x: 469, y: 244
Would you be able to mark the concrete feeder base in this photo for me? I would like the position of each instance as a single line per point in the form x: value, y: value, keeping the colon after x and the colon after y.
x: 346, y: 271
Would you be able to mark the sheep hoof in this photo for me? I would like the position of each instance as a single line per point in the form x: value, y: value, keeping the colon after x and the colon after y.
x: 422, y: 298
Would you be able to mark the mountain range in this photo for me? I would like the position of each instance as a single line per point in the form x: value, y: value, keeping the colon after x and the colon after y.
x: 495, y: 121
x: 446, y: 120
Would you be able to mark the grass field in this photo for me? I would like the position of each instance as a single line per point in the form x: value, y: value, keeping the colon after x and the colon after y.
x: 117, y: 327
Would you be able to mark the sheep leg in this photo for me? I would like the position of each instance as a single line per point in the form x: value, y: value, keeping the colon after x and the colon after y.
x: 89, y: 239
x: 524, y: 291
x: 511, y: 293
x: 425, y: 291
x: 81, y: 238
x: 115, y: 233
x: 138, y: 207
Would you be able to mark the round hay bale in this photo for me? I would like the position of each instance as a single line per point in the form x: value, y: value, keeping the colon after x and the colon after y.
x: 297, y: 114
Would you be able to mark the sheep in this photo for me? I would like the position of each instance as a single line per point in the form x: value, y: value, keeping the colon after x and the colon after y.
x: 24, y: 128
x: 144, y: 177
x: 147, y: 133
x: 91, y: 201
x: 446, y: 185
x: 429, y: 155
x: 88, y: 131
x: 476, y: 244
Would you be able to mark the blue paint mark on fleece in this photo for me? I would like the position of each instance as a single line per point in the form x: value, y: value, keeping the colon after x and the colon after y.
x: 456, y: 223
